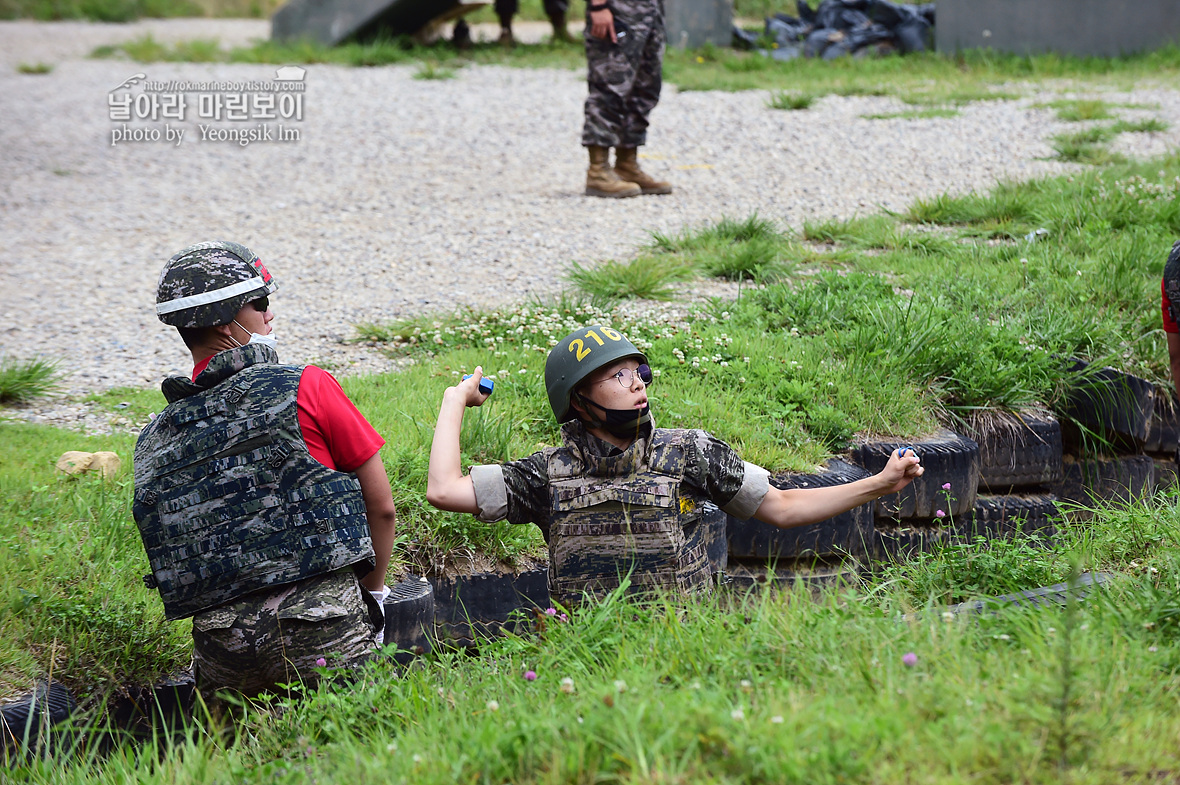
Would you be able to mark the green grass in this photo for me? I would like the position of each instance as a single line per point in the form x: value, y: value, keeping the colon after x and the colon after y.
x: 34, y: 68
x: 882, y: 324
x: 22, y: 381
x: 915, y: 114
x: 647, y: 277
x: 790, y: 101
x: 432, y: 72
x: 1081, y: 110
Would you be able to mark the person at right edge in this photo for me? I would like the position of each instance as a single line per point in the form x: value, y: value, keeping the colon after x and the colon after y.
x: 619, y: 498
x: 1170, y: 287
x: 625, y: 42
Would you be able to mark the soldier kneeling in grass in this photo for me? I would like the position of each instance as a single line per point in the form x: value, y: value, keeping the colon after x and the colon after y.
x: 260, y: 496
x: 620, y: 498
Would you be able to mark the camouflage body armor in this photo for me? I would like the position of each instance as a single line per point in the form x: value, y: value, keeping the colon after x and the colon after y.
x: 624, y: 515
x: 227, y: 498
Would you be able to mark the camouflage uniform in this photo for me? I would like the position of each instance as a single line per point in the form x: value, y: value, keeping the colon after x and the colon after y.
x: 624, y: 78
x: 244, y: 529
x: 605, y: 512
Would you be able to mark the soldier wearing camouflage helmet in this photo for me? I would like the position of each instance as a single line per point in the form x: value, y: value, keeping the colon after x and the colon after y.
x: 625, y: 42
x: 260, y: 496
x: 620, y: 499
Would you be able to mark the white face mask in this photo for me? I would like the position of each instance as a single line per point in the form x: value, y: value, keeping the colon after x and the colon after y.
x: 265, y: 340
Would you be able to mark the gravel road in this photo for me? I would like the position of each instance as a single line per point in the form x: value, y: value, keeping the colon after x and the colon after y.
x: 405, y: 196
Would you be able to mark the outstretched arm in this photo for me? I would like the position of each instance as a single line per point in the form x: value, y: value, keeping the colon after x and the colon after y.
x: 446, y: 486
x: 801, y: 506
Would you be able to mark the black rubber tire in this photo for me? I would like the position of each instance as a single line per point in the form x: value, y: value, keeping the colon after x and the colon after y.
x: 1004, y: 516
x: 1113, y: 405
x: 1120, y: 479
x: 1021, y: 450
x: 1167, y: 473
x: 946, y: 457
x: 27, y: 723
x: 846, y: 534
x: 899, y: 544
x: 409, y: 618
x: 145, y: 710
x: 1163, y: 430
x: 470, y: 607
x: 746, y: 574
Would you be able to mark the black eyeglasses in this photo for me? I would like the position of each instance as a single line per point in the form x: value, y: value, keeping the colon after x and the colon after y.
x: 626, y: 376
x: 261, y: 304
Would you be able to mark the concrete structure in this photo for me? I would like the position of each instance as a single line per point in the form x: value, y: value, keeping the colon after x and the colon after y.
x: 693, y: 23
x: 1104, y: 28
x: 333, y: 22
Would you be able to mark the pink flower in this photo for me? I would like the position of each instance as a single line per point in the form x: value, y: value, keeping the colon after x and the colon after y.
x: 946, y: 486
x: 563, y: 617
x: 530, y: 675
x: 551, y: 611
x: 321, y: 662
x: 909, y: 659
x: 939, y: 513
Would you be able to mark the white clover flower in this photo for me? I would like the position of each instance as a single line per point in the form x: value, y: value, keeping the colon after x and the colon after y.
x: 746, y: 685
x: 777, y: 719
x: 738, y: 715
x: 493, y: 705
x: 567, y: 685
x: 620, y: 685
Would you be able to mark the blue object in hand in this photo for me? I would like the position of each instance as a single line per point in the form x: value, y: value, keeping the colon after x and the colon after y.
x: 486, y: 385
x: 901, y: 452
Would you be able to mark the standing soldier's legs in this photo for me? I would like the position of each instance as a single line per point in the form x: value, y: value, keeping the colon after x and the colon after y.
x: 644, y: 95
x: 505, y: 10
x: 610, y: 76
x: 556, y: 10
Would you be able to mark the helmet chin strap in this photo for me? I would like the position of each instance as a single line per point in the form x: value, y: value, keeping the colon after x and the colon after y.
x: 630, y: 427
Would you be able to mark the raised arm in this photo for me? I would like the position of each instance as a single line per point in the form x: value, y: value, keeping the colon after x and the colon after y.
x: 801, y: 506
x: 447, y: 488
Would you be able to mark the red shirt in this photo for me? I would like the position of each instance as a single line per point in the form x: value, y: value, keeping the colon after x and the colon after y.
x: 336, y: 434
x: 1170, y: 325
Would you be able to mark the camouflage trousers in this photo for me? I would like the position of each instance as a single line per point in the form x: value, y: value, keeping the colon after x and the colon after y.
x: 275, y: 636
x: 624, y: 78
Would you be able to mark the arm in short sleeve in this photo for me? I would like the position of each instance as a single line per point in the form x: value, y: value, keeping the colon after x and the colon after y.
x: 1170, y: 325
x: 336, y: 434
x: 718, y: 471
x: 517, y: 491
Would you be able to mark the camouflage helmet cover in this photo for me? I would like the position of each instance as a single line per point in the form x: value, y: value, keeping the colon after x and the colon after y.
x: 206, y: 284
x: 578, y: 355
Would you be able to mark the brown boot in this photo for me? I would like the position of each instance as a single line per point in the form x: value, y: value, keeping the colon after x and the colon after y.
x: 601, y: 180
x: 627, y: 168
x: 560, y: 31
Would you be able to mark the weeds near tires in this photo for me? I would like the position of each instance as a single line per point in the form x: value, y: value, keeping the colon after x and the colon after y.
x: 24, y: 380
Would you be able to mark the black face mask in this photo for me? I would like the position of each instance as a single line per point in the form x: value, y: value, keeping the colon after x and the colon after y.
x: 618, y: 422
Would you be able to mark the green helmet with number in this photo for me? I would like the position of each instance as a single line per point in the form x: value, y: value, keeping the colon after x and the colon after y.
x: 578, y: 355
x: 206, y: 284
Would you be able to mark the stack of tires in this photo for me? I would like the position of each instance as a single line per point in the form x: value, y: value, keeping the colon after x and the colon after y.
x: 823, y: 553
x: 1108, y: 419
x: 1163, y: 437
x: 931, y: 508
x: 1020, y: 459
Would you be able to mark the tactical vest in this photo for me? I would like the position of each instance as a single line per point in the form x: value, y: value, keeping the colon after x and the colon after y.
x: 227, y: 498
x: 623, y: 516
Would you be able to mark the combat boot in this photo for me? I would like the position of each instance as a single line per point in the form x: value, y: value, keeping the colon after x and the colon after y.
x: 560, y: 31
x: 601, y: 180
x: 627, y: 169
